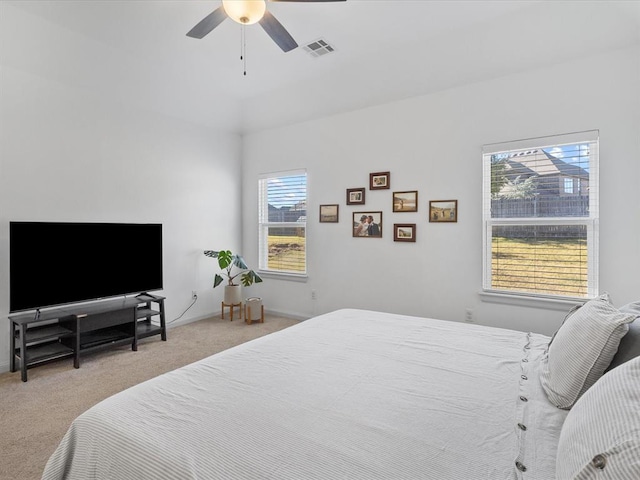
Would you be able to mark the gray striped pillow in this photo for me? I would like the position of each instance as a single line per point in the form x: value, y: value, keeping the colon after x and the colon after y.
x: 582, y: 349
x: 600, y: 437
x: 630, y: 344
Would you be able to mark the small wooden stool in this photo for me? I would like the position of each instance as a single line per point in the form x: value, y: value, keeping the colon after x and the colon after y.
x: 231, y: 307
x: 248, y: 317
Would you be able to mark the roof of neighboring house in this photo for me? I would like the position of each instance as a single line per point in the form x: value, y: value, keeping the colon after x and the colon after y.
x: 299, y: 206
x: 538, y: 162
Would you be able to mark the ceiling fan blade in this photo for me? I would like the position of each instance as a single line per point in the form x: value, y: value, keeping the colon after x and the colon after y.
x: 208, y: 23
x: 277, y: 32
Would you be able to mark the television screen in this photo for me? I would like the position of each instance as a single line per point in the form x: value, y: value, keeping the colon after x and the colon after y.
x: 59, y: 263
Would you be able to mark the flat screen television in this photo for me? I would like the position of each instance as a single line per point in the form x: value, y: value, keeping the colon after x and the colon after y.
x: 57, y: 263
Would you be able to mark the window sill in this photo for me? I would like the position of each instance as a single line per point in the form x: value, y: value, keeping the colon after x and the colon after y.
x: 548, y: 303
x: 292, y: 277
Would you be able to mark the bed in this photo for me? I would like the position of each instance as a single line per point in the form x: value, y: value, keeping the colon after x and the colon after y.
x: 352, y: 394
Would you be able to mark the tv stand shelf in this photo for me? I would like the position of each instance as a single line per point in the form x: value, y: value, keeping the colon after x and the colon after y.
x: 41, y: 337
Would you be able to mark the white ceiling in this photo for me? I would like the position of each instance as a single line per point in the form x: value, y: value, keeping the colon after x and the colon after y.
x: 137, y: 51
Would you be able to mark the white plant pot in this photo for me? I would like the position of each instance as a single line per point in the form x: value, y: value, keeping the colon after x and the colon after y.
x: 232, y: 294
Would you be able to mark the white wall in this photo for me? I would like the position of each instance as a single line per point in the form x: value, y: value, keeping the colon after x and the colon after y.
x: 433, y: 144
x: 69, y: 154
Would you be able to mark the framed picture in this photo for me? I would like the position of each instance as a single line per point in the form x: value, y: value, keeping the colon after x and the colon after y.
x: 404, y: 232
x: 443, y: 211
x: 355, y: 196
x: 329, y: 213
x: 367, y: 224
x: 405, y: 201
x: 379, y: 180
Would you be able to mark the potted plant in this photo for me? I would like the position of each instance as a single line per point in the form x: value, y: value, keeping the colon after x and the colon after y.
x: 232, y: 266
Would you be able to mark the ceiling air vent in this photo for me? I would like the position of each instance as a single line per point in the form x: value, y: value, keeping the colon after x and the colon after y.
x: 318, y: 48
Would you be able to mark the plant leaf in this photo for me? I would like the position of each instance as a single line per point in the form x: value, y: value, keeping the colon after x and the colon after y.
x: 217, y: 280
x: 238, y: 261
x: 225, y: 257
x: 249, y: 278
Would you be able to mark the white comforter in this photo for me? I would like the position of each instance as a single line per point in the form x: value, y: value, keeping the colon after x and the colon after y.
x: 352, y: 394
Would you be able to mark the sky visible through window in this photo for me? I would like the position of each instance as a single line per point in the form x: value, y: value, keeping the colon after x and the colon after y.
x: 574, y: 154
x: 287, y: 191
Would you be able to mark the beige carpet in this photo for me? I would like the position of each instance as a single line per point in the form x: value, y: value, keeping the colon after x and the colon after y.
x: 35, y: 415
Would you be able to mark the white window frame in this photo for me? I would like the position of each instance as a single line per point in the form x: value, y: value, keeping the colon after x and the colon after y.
x: 591, y: 222
x: 264, y: 224
x: 568, y: 186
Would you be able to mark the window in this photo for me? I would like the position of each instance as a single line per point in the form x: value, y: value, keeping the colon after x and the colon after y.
x: 282, y: 221
x: 568, y: 186
x: 540, y: 210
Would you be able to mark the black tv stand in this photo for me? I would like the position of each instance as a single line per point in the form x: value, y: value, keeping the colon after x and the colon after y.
x: 77, y: 330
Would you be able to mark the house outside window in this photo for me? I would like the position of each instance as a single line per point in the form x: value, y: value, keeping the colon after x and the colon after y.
x: 540, y: 210
x: 282, y: 218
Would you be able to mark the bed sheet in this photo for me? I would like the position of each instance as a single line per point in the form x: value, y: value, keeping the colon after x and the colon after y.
x: 352, y: 394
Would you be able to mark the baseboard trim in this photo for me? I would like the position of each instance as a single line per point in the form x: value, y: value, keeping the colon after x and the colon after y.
x: 4, y: 367
x: 295, y: 316
x: 177, y: 323
x: 185, y: 321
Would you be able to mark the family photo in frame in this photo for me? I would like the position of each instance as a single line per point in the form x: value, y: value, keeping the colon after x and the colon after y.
x: 404, y: 232
x: 367, y: 224
x: 379, y: 180
x: 355, y: 196
x: 405, y: 201
x: 443, y: 211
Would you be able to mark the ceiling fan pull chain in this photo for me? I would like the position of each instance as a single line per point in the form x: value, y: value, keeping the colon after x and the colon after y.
x: 243, y: 49
x: 242, y: 42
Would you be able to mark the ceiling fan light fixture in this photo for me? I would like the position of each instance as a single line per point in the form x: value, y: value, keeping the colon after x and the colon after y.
x: 245, y: 12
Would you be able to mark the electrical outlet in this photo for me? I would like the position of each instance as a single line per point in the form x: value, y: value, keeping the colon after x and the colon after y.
x: 314, y: 295
x: 469, y: 316
x: 194, y: 295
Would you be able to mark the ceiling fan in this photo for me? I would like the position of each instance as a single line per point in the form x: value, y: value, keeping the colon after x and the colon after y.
x: 248, y: 12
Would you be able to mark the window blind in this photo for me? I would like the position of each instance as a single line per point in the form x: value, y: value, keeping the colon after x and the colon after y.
x: 540, y: 212
x: 282, y: 219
